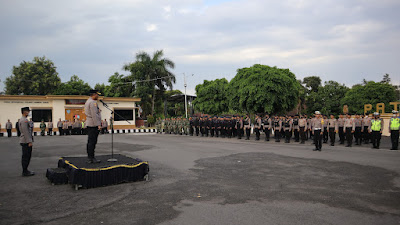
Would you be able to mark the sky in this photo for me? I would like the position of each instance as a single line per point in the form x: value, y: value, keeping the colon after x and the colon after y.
x: 342, y: 40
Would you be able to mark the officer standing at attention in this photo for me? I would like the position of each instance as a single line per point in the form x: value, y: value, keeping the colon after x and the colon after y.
x: 50, y: 127
x: 8, y: 128
x: 26, y: 140
x: 358, y: 129
x: 394, y: 126
x: 341, y: 129
x: 277, y: 129
x: 303, y: 128
x: 325, y: 133
x: 288, y: 129
x: 332, y: 129
x: 366, y: 122
x: 247, y: 126
x: 318, y: 123
x: 42, y: 128
x: 257, y: 127
x: 296, y: 128
x: 267, y: 127
x: 60, y: 126
x: 349, y: 128
x: 93, y: 123
x: 375, y: 129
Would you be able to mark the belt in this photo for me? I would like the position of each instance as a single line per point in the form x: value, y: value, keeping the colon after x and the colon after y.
x: 317, y: 128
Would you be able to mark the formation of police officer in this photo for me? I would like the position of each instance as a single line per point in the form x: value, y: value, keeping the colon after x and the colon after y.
x: 320, y: 128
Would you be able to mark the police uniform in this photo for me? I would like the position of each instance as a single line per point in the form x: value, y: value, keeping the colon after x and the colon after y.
x: 267, y: 127
x: 366, y: 124
x: 340, y: 122
x: 326, y: 133
x: 50, y: 128
x: 358, y: 126
x: 9, y: 128
x: 60, y: 127
x: 93, y: 123
x: 257, y: 127
x: 394, y: 126
x: 303, y: 129
x: 296, y: 132
x: 26, y: 141
x: 277, y: 129
x: 332, y: 129
x: 287, y: 127
x: 247, y: 127
x: 42, y: 128
x: 349, y: 128
x: 317, y: 127
x: 376, y: 128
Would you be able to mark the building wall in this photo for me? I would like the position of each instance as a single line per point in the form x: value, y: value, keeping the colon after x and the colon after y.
x: 11, y: 109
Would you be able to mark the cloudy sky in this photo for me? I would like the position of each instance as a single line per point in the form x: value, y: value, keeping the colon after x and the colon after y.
x: 342, y: 40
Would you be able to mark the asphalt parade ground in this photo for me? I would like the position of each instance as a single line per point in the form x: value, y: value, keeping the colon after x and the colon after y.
x: 199, y: 180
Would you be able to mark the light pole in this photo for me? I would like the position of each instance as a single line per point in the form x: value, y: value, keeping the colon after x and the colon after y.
x: 184, y: 78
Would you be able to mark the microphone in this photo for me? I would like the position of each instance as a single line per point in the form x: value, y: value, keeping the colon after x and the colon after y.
x: 103, y: 102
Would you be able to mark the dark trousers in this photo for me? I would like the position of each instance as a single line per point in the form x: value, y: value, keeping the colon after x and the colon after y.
x: 212, y: 131
x: 394, y: 136
x: 349, y: 136
x: 357, y: 135
x: 69, y: 130
x: 277, y: 135
x: 376, y: 138
x: 332, y: 135
x: 267, y: 134
x: 296, y: 135
x: 341, y: 135
x: 93, y: 134
x: 239, y: 133
x: 60, y: 130
x: 18, y: 133
x: 302, y: 134
x: 287, y: 136
x: 9, y: 132
x: 318, y: 139
x: 26, y: 156
x: 247, y: 133
x: 197, y: 131
x: 257, y: 131
x: 191, y: 130
x: 234, y: 132
x: 229, y: 132
x: 50, y: 132
x: 366, y: 135
x: 217, y: 132
x: 325, y: 135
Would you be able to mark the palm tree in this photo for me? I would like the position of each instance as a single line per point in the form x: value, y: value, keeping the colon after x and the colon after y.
x: 152, y: 74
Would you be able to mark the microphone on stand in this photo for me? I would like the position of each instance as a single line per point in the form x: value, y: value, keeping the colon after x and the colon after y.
x: 103, y: 102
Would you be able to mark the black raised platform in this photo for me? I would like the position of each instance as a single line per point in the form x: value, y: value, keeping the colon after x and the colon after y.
x: 82, y: 174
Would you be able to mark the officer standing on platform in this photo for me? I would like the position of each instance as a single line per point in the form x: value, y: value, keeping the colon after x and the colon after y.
x: 394, y: 126
x: 93, y: 124
x: 317, y: 126
x: 26, y: 140
x: 375, y: 129
x: 349, y: 128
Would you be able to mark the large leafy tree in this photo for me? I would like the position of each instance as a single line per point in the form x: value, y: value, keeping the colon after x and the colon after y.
x: 369, y: 93
x: 328, y: 98
x: 212, y: 96
x: 151, y: 75
x: 75, y: 86
x: 312, y: 83
x: 261, y: 88
x: 38, y: 77
x: 119, y: 86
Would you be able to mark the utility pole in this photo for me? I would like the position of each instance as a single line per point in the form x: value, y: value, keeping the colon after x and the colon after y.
x: 184, y: 78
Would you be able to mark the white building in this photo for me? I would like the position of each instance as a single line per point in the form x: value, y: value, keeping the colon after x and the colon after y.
x: 64, y: 107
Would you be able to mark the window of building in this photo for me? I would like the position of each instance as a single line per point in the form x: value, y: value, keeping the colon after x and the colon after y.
x: 127, y: 114
x: 42, y: 114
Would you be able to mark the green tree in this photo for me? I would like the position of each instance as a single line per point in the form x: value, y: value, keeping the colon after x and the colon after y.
x: 328, y: 98
x: 312, y: 83
x: 212, y: 96
x: 38, y: 77
x: 173, y: 108
x: 370, y: 93
x: 74, y: 86
x: 261, y: 88
x: 151, y: 76
x: 119, y: 86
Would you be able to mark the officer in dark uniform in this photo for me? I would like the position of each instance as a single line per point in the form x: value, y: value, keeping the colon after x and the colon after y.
x: 196, y: 124
x: 93, y: 124
x: 191, y: 126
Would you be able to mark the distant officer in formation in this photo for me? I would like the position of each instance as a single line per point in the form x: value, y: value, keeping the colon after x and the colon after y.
x: 26, y: 141
x: 50, y: 127
x: 60, y: 126
x: 9, y: 128
x: 93, y: 124
x: 320, y: 129
x: 42, y: 128
x: 394, y: 126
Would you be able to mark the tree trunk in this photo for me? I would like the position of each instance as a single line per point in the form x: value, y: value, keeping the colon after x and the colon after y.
x: 153, y: 101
